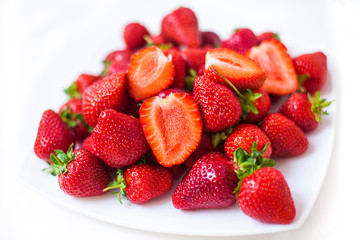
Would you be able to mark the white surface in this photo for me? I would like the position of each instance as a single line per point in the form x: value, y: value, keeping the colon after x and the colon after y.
x: 67, y: 38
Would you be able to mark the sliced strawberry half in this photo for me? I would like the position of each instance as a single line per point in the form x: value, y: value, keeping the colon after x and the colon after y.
x: 172, y: 126
x: 149, y: 72
x: 281, y: 78
x: 241, y: 71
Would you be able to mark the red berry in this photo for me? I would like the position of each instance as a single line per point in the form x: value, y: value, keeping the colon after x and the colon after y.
x: 134, y: 35
x: 241, y: 41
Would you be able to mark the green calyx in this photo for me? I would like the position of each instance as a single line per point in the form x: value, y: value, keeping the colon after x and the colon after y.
x: 60, y: 160
x: 301, y: 80
x: 246, y: 98
x: 189, y: 79
x: 72, y: 91
x: 107, y: 64
x: 150, y: 43
x: 218, y: 137
x: 73, y: 119
x: 317, y: 105
x: 247, y: 164
x: 118, y: 183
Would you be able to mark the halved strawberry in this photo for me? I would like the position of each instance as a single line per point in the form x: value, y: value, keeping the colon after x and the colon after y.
x: 149, y: 72
x: 241, y: 71
x: 281, y: 78
x: 172, y: 126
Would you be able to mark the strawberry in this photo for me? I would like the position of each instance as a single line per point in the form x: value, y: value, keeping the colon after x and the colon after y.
x: 241, y: 41
x: 194, y: 57
x: 77, y: 88
x: 134, y: 35
x: 159, y: 40
x: 118, y: 139
x: 312, y: 68
x: 219, y: 106
x: 179, y: 67
x: 304, y: 110
x: 149, y: 72
x: 117, y: 66
x: 132, y: 108
x: 52, y: 134
x: 205, y: 146
x: 280, y: 72
x: 267, y: 36
x: 262, y: 193
x: 81, y: 173
x: 172, y: 127
x: 241, y: 71
x: 181, y: 26
x: 209, y: 184
x: 210, y: 39
x: 71, y: 114
x: 88, y: 144
x: 262, y: 106
x: 287, y: 139
x: 108, y: 93
x: 118, y: 56
x: 142, y: 182
x: 244, y: 135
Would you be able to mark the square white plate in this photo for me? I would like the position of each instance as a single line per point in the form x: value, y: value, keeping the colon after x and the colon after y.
x: 303, y: 28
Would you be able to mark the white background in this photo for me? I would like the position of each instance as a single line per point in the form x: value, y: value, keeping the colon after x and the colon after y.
x: 44, y: 45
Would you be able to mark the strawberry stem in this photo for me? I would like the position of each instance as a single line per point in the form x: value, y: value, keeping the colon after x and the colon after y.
x: 60, y: 160
x: 118, y: 183
x: 317, y: 105
x: 72, y: 91
x: 247, y: 164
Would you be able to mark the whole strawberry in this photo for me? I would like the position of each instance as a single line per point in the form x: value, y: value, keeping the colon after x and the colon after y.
x: 194, y: 57
x: 244, y: 135
x: 81, y: 173
x: 52, y: 134
x: 262, y: 193
x: 134, y: 35
x: 312, y: 69
x: 108, y: 93
x: 142, y: 182
x: 181, y: 26
x: 219, y: 106
x: 287, y: 139
x: 241, y: 41
x: 210, y: 39
x: 118, y: 139
x: 179, y: 67
x: 209, y: 184
x: 304, y: 110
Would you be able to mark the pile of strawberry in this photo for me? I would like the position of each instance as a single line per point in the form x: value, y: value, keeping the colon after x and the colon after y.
x: 185, y: 102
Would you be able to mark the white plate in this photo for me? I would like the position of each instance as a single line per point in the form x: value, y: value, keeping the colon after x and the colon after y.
x: 304, y: 174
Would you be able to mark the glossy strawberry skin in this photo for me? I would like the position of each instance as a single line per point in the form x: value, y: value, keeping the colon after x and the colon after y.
x: 134, y: 35
x: 262, y: 104
x: 298, y: 109
x: 118, y: 139
x: 205, y: 146
x: 84, y: 81
x: 88, y: 144
x: 219, y: 106
x: 52, y: 134
x: 179, y: 67
x: 241, y: 41
x: 243, y: 136
x: 86, y: 175
x: 117, y: 67
x: 194, y: 57
x: 210, y: 39
x: 209, y: 184
x: 181, y: 26
x: 286, y: 138
x: 146, y: 181
x: 267, y: 36
x: 266, y: 197
x: 108, y: 93
x: 119, y: 56
x: 315, y: 66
